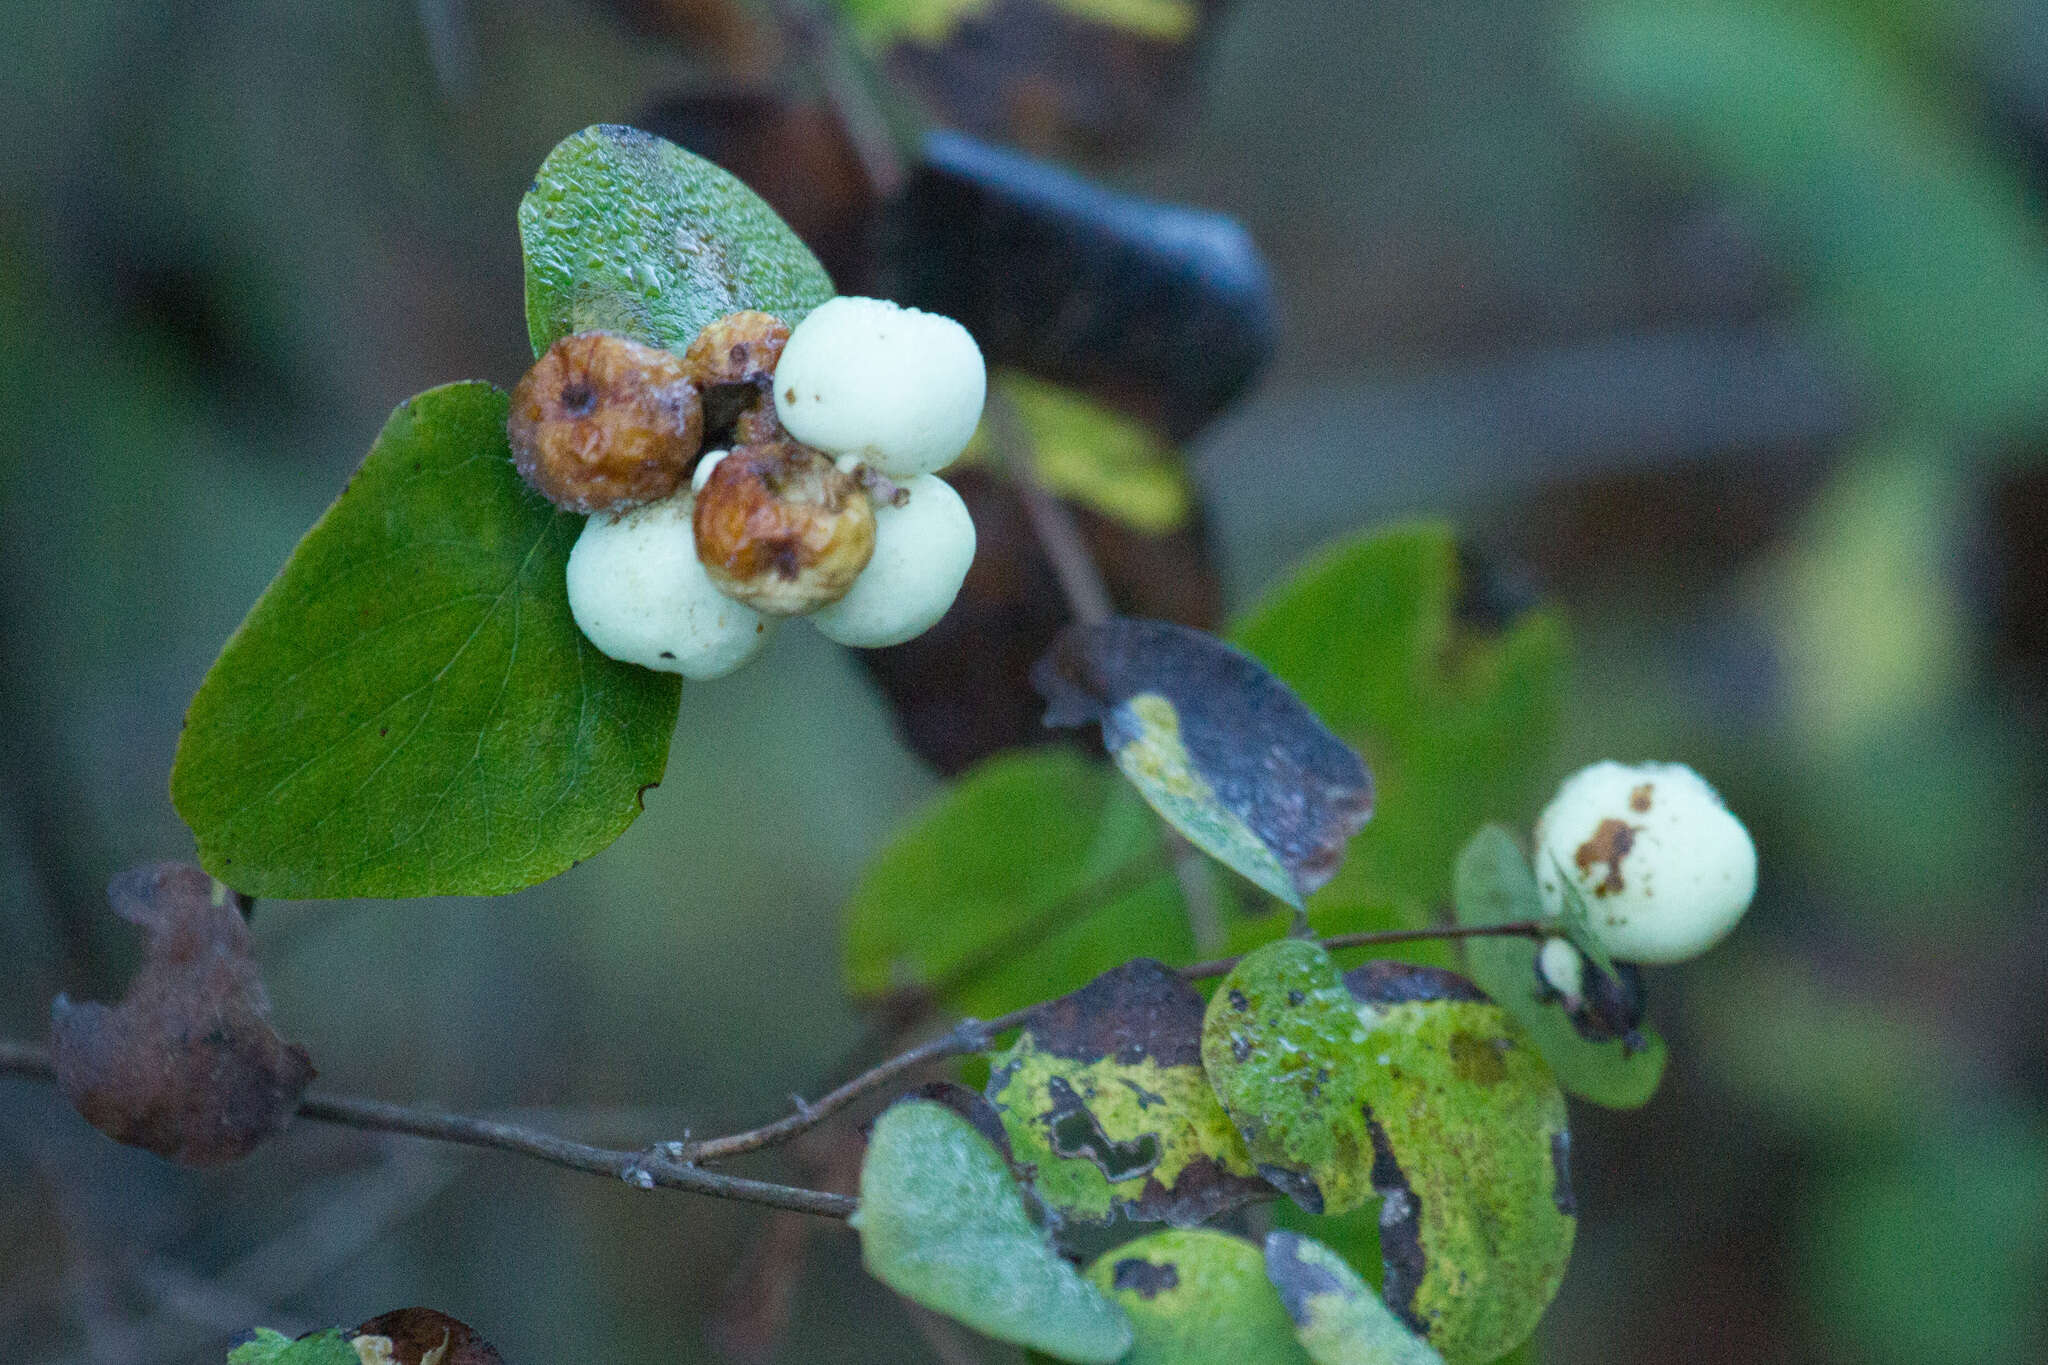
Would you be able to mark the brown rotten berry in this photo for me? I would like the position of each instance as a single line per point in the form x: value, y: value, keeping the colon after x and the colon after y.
x: 602, y: 424
x: 782, y: 529
x: 733, y: 362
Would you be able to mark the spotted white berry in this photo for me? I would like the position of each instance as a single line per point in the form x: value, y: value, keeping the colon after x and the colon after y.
x: 898, y: 389
x: 639, y: 593
x: 923, y: 546
x: 1665, y: 869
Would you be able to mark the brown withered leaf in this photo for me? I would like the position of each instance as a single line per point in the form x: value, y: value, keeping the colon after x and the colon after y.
x: 422, y: 1336
x: 187, y: 1065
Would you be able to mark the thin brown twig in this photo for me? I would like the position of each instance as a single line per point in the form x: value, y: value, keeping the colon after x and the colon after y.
x: 675, y: 1165
x: 1521, y: 928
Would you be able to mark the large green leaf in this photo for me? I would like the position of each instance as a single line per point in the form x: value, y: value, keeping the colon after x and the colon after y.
x: 1198, y: 1297
x: 627, y: 233
x: 942, y: 1223
x: 1455, y: 717
x: 1495, y: 886
x: 1030, y: 876
x: 1108, y: 1109
x: 1405, y: 1083
x: 1338, y: 1318
x: 409, y: 709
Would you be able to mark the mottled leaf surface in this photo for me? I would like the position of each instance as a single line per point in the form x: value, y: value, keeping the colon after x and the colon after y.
x: 942, y: 1223
x: 1405, y: 1083
x: 267, y: 1347
x: 628, y: 233
x: 1338, y: 1318
x: 1495, y: 886
x: 1108, y: 1109
x: 187, y: 1065
x: 1215, y: 744
x: 1454, y: 710
x: 409, y: 709
x: 1197, y: 1297
x: 1030, y: 876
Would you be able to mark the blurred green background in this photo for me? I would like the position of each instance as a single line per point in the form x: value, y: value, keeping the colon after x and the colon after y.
x: 1722, y: 325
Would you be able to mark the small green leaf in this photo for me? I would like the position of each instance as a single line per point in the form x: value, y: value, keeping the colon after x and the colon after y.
x: 1455, y: 714
x: 1215, y: 744
x: 1198, y: 1297
x: 1108, y: 1109
x: 1406, y: 1083
x: 1338, y: 1318
x: 1030, y: 876
x: 1576, y: 919
x: 1092, y: 454
x: 274, y: 1348
x: 627, y: 233
x: 409, y: 709
x: 1495, y: 886
x: 942, y: 1223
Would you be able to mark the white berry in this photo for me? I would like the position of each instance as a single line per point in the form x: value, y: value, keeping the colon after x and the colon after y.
x: 922, y: 551
x: 640, y: 595
x: 1563, y: 969
x: 1666, y: 870
x: 897, y: 388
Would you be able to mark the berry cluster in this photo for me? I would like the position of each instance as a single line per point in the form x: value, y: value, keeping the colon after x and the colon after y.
x: 818, y: 495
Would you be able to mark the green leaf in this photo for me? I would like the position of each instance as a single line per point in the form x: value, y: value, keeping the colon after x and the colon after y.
x: 1405, y: 1083
x: 1495, y: 886
x: 1338, y: 1318
x: 1092, y: 454
x: 1108, y: 1109
x: 627, y: 233
x: 1455, y: 718
x: 1575, y: 918
x: 274, y: 1348
x: 1198, y: 1297
x: 409, y: 709
x: 1027, y: 878
x: 1215, y: 744
x: 942, y: 1223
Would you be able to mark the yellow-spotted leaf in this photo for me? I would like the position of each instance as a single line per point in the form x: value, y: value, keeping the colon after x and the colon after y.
x: 1216, y: 744
x: 1108, y: 1109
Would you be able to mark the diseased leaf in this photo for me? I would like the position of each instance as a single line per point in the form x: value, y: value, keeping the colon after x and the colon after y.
x: 1216, y: 745
x: 421, y: 1336
x: 1454, y: 712
x: 274, y: 1348
x: 187, y: 1065
x: 1404, y: 1082
x: 1159, y: 310
x: 1030, y: 876
x: 1197, y: 1297
x: 942, y: 1223
x: 409, y: 709
x: 1109, y: 1111
x: 1495, y: 886
x: 627, y: 233
x: 1338, y: 1318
